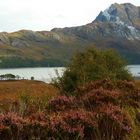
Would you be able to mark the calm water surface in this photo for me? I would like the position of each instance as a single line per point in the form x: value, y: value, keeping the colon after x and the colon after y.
x: 43, y: 73
x: 134, y: 69
x: 46, y: 74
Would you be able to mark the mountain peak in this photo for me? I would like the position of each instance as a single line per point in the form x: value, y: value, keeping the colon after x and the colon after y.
x: 126, y: 13
x: 128, y: 4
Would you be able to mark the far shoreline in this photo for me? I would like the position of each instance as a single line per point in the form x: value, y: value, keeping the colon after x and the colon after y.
x: 130, y: 65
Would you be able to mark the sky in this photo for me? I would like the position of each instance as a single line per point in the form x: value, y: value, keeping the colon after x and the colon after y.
x: 40, y: 15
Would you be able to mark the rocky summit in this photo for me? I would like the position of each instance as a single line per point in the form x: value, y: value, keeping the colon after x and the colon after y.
x: 124, y: 18
x: 117, y: 27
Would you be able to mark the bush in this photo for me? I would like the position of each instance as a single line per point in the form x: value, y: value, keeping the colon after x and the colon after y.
x: 61, y: 103
x: 104, y: 110
x: 91, y: 65
x: 99, y: 97
x: 114, y: 123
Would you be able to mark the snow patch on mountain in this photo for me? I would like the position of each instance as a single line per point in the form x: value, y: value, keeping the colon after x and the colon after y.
x: 107, y: 15
x: 118, y: 21
x: 132, y: 34
x: 107, y: 12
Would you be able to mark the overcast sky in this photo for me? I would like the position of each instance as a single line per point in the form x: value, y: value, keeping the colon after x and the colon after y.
x: 48, y: 14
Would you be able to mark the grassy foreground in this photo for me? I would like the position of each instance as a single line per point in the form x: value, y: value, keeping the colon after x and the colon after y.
x: 137, y: 82
x: 101, y: 110
x: 11, y: 91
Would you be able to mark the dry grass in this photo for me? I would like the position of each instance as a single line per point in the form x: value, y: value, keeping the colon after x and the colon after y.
x: 137, y: 83
x: 12, y: 90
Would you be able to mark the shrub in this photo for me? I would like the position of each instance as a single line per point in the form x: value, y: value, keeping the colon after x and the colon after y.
x: 99, y: 97
x: 113, y: 123
x: 61, y: 103
x: 92, y: 65
x: 104, y: 84
x: 103, y: 110
x: 11, y: 126
x: 67, y: 125
x: 32, y: 78
x: 73, y: 124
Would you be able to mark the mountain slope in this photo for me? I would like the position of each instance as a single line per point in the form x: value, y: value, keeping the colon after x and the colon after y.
x: 117, y: 27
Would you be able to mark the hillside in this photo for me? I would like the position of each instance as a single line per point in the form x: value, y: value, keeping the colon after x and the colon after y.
x: 117, y: 27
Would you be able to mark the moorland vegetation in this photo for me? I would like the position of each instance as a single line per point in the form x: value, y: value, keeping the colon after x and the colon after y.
x: 97, y: 100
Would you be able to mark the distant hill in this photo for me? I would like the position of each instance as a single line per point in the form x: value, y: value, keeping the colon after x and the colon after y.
x: 117, y: 27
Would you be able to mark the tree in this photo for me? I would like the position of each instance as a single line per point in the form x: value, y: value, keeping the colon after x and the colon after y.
x: 91, y: 65
x: 7, y: 77
x: 32, y: 78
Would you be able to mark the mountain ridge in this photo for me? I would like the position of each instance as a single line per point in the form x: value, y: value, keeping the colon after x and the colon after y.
x: 117, y: 27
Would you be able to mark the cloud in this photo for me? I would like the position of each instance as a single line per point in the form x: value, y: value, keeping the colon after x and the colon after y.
x: 47, y: 14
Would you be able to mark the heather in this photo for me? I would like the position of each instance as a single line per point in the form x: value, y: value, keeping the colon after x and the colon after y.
x: 101, y: 110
